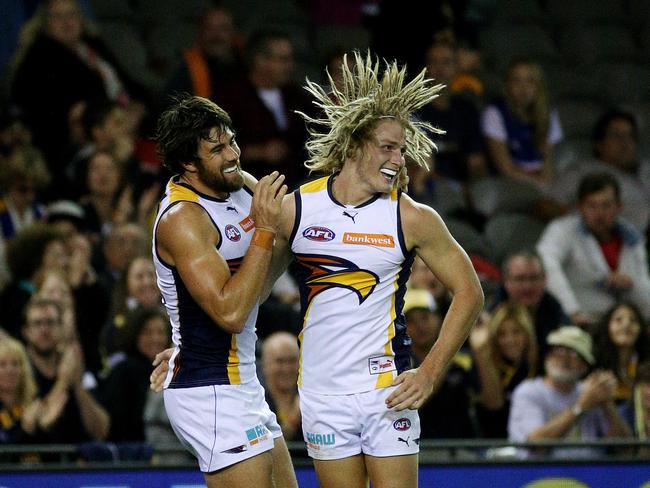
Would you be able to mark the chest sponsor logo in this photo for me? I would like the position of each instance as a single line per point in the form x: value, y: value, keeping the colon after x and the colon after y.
x: 378, y: 240
x: 316, y: 233
x: 247, y: 224
x: 257, y: 434
x: 315, y: 441
x: 232, y: 233
x: 402, y: 424
x: 381, y: 364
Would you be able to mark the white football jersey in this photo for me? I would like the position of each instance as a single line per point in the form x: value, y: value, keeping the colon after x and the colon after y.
x: 205, y: 354
x: 353, y: 266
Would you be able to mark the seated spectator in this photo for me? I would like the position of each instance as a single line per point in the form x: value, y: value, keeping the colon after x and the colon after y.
x: 621, y: 345
x: 214, y: 61
x: 60, y: 63
x: 270, y: 133
x: 35, y: 248
x: 593, y: 259
x: 460, y: 150
x: 560, y: 406
x: 636, y: 411
x: 53, y: 285
x: 524, y: 283
x: 448, y: 413
x: 521, y: 128
x: 124, y: 391
x: 280, y: 355
x: 122, y: 245
x: 20, y: 412
x: 505, y: 354
x: 22, y: 175
x: 137, y: 288
x: 615, y: 142
x: 58, y: 368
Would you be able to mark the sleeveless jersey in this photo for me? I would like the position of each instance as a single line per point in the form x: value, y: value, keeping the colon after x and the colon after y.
x: 352, y: 271
x: 204, y: 353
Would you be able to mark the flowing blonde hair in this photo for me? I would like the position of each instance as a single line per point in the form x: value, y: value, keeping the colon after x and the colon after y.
x: 520, y: 316
x: 27, y: 387
x: 351, y: 111
x: 539, y: 112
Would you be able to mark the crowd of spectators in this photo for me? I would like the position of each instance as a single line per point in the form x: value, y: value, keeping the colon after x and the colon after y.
x: 560, y: 352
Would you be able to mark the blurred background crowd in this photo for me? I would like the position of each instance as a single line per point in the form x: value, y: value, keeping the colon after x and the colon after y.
x: 542, y: 176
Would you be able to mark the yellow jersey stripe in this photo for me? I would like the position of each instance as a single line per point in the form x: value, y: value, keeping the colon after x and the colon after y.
x: 386, y: 379
x: 233, y: 362
x: 180, y: 193
x: 394, y: 194
x: 314, y: 186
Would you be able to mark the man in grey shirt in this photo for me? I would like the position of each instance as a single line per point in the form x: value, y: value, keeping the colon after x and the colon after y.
x: 559, y: 405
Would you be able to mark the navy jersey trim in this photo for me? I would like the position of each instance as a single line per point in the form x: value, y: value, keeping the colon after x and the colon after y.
x: 201, y: 194
x: 297, y: 217
x: 330, y: 193
x: 401, y: 343
x: 248, y: 190
x: 400, y: 230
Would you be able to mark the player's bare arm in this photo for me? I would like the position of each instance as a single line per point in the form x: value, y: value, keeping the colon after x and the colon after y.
x: 426, y: 233
x: 226, y: 298
x: 282, y: 256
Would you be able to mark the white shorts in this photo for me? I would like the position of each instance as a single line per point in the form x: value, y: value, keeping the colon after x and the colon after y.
x: 222, y: 424
x: 340, y: 426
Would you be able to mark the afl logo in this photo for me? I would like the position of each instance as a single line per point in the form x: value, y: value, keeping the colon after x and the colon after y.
x: 402, y: 424
x: 316, y: 233
x: 232, y: 233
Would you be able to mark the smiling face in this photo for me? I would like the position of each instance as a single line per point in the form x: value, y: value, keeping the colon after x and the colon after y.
x: 382, y: 157
x: 624, y: 327
x: 218, y: 167
x: 141, y: 282
x: 512, y: 340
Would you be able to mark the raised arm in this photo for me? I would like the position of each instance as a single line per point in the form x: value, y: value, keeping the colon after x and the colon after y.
x: 227, y: 299
x: 425, y: 232
x: 281, y: 252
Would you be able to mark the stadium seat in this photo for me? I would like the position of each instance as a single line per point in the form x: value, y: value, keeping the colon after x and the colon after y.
x: 590, y: 43
x: 509, y: 233
x: 501, y: 43
x: 471, y: 240
x: 572, y: 11
x: 570, y: 152
x: 494, y: 195
x: 578, y: 117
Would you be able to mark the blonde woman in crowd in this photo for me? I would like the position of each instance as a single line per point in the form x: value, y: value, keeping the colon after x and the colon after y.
x: 521, y: 128
x: 505, y: 354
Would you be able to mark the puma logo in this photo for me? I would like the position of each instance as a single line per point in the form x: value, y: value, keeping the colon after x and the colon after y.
x: 231, y: 208
x: 352, y: 215
x: 405, y: 441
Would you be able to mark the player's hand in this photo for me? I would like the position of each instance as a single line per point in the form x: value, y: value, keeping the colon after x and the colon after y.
x: 413, y: 391
x: 160, y: 363
x: 267, y: 201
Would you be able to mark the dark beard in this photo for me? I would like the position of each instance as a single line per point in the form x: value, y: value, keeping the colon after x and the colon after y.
x: 218, y: 183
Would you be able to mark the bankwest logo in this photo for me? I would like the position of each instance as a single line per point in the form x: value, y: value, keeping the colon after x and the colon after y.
x: 247, y: 224
x: 379, y: 240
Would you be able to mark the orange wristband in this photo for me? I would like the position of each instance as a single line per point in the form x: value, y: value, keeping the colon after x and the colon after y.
x: 263, y: 238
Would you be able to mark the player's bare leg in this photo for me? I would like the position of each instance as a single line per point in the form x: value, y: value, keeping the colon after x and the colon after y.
x: 283, y: 474
x: 342, y: 473
x: 393, y: 471
x: 255, y: 471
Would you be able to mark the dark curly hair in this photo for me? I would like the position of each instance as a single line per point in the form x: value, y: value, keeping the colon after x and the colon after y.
x: 183, y: 125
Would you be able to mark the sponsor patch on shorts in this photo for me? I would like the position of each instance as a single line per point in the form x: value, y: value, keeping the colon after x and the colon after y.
x: 381, y: 364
